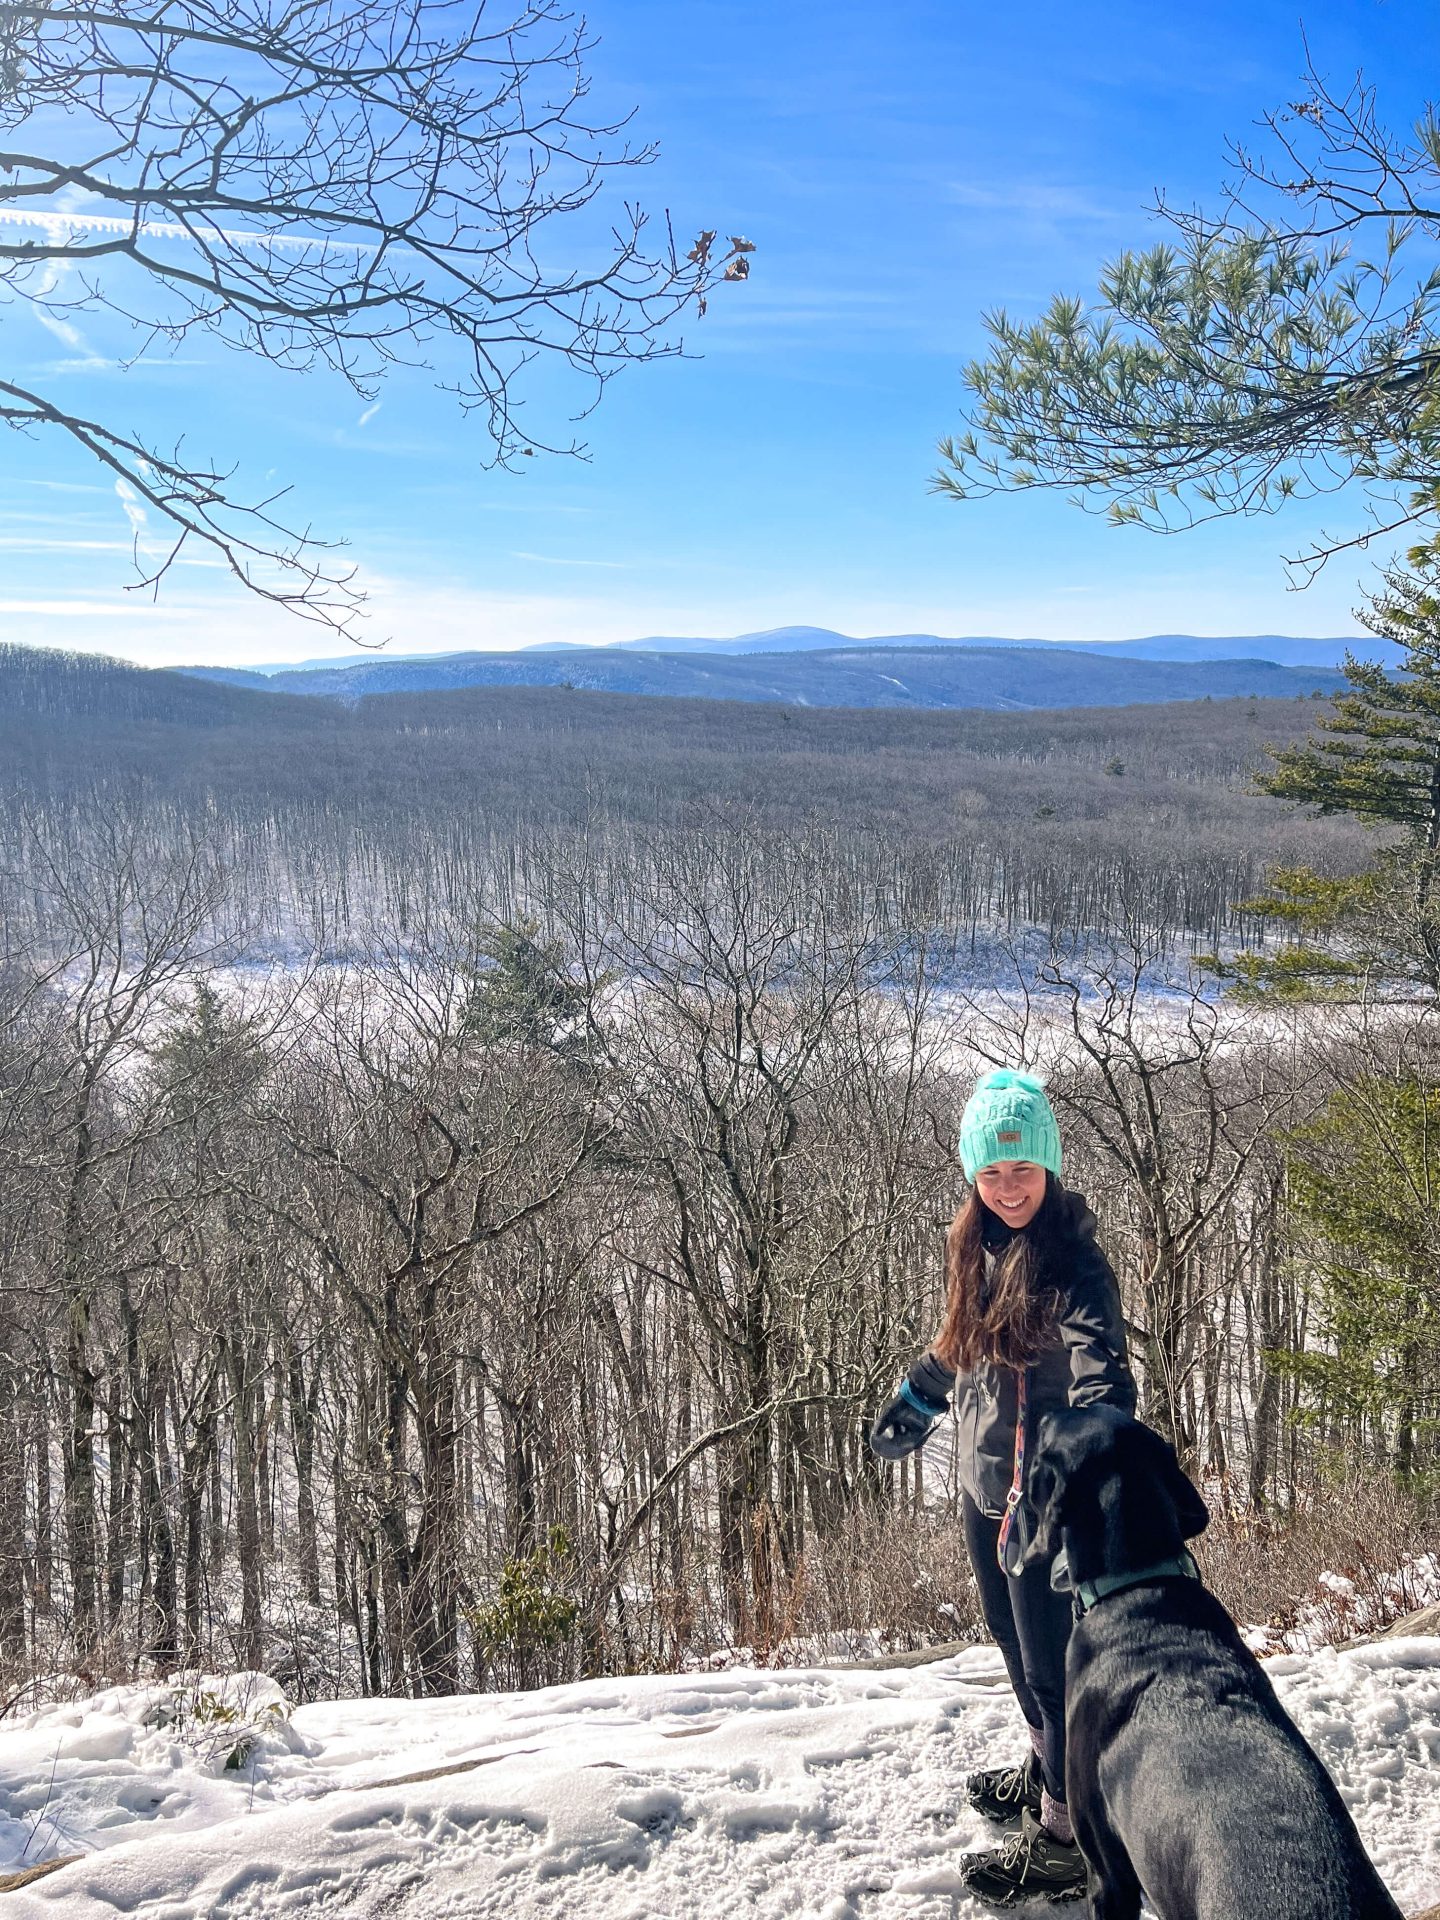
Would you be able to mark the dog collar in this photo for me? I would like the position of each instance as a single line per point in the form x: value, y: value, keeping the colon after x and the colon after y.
x: 1089, y: 1592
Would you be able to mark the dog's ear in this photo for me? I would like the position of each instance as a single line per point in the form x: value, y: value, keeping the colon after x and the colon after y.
x: 1046, y: 1491
x: 1191, y: 1513
x: 1190, y: 1508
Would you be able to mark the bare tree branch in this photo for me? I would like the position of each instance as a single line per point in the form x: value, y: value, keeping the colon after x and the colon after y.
x: 351, y: 189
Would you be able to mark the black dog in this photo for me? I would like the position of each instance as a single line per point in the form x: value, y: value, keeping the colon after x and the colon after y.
x: 1188, y: 1782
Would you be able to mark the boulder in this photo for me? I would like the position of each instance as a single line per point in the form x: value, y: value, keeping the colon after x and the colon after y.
x: 1425, y: 1620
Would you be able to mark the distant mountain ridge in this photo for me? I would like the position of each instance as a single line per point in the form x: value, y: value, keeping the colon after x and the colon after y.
x: 857, y: 674
x: 1286, y: 650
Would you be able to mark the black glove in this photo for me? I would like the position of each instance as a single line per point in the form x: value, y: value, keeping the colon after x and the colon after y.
x: 905, y: 1424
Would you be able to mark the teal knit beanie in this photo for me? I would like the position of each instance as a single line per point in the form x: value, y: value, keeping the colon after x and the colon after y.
x: 1007, y: 1117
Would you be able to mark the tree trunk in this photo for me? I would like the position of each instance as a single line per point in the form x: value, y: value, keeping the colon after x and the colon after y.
x: 247, y: 1511
x: 12, y: 1498
x: 194, y: 1465
x: 434, y: 1602
x: 302, y: 1433
x: 80, y: 1524
x: 218, y: 1541
x: 398, y: 1567
x: 1266, y: 1426
x: 123, y: 1448
x: 160, y: 1630
x: 44, y: 1512
x: 1163, y: 1345
x: 80, y: 1514
x: 266, y: 1411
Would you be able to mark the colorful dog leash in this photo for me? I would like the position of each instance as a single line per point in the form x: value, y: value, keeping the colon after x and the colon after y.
x: 1017, y: 1482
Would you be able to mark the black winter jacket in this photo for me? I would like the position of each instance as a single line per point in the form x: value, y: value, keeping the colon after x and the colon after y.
x: 1085, y: 1363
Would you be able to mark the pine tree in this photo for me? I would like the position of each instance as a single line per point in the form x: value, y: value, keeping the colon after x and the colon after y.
x: 206, y: 1054
x: 525, y: 994
x: 1376, y: 757
x: 1282, y: 346
x: 1364, y: 1200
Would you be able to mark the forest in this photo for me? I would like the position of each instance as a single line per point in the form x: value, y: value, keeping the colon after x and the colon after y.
x: 473, y: 1164
x: 961, y: 816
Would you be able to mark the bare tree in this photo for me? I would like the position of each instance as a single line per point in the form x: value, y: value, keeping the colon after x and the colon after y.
x: 1156, y: 1071
x: 128, y: 938
x: 344, y: 187
x: 417, y: 1142
x: 545, y: 1269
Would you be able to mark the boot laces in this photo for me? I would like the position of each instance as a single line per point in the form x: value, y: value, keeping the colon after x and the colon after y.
x: 1019, y: 1851
x: 1022, y: 1848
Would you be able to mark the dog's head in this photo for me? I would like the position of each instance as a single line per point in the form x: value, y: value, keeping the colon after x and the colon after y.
x: 1111, y: 1491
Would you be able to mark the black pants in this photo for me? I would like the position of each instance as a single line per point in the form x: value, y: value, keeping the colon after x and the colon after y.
x: 1031, y: 1626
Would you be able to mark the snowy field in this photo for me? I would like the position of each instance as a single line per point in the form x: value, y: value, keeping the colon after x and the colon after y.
x: 825, y: 1793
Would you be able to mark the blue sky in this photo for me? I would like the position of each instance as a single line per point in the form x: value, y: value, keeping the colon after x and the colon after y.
x: 901, y: 167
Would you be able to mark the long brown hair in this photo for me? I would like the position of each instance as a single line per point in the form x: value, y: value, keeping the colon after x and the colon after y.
x: 1007, y: 1324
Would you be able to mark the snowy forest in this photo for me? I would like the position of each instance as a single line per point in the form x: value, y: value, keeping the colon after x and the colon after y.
x: 455, y: 1244
x: 476, y: 1160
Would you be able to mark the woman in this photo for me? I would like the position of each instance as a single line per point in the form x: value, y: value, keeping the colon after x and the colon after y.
x: 1032, y: 1323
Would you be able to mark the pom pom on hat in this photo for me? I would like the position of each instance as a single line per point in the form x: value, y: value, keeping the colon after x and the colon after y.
x: 1008, y: 1117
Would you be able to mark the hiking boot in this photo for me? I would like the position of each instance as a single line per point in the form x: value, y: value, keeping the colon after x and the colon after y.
x: 1032, y: 1865
x: 1003, y: 1793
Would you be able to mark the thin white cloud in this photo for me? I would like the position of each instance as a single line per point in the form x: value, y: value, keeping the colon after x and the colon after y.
x: 532, y: 505
x: 556, y: 560
x: 60, y: 226
x: 62, y: 486
x: 134, y: 512
x: 28, y: 543
x: 347, y: 440
x: 1047, y: 200
x: 227, y: 627
x: 836, y: 312
x: 37, y: 534
x: 96, y: 363
x: 63, y: 331
x: 369, y: 414
x: 89, y: 610
x: 51, y: 283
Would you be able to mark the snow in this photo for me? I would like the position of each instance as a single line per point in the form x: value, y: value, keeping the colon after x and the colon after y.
x: 1342, y: 1610
x: 829, y: 1793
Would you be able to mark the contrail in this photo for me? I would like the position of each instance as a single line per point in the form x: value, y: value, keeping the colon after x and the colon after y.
x: 62, y: 225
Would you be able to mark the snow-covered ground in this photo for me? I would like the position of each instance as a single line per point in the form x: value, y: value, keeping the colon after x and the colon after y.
x: 814, y: 1794
x: 1341, y: 1610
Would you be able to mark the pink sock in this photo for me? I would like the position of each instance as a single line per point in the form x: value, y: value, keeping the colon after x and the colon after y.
x: 1037, y: 1740
x: 1055, y: 1818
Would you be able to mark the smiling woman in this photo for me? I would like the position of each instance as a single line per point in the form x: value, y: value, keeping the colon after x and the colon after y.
x: 1032, y: 1323
x: 344, y: 188
x: 1013, y: 1189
